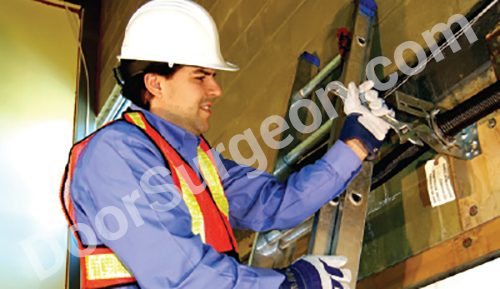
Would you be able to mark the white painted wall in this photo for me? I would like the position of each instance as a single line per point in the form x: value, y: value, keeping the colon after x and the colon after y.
x: 38, y: 73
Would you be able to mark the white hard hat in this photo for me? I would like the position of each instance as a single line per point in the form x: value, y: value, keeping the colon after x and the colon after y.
x: 175, y: 32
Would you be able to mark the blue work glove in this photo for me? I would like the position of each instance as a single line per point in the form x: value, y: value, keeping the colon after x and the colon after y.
x: 364, y: 123
x: 317, y: 272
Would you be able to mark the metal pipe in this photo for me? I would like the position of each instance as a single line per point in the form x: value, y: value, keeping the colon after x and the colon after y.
x: 291, y: 236
x: 267, y: 239
x: 450, y: 123
x: 308, y: 144
x: 273, y: 236
x: 308, y: 88
x: 284, y: 165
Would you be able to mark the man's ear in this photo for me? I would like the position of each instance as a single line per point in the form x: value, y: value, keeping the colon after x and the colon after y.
x: 152, y: 83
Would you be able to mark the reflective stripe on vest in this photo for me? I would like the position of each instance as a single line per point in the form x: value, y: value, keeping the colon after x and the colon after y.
x: 208, y: 209
x: 211, y: 176
x: 209, y: 212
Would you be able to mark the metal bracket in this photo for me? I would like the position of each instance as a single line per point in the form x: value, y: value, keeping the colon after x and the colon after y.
x: 468, y: 140
x: 413, y: 105
x: 464, y: 145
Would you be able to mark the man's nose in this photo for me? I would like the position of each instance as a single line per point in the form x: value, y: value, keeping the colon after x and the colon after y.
x: 214, y: 89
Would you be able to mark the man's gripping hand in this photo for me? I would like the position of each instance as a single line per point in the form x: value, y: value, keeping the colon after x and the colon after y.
x: 365, y: 123
x: 317, y: 272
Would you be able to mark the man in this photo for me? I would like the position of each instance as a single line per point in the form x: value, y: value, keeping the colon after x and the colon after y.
x: 159, y: 204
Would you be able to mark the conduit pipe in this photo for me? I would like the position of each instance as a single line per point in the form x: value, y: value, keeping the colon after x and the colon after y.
x: 317, y: 79
x: 283, y: 165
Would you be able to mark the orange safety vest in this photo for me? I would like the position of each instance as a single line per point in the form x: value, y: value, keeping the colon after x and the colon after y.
x: 208, y: 208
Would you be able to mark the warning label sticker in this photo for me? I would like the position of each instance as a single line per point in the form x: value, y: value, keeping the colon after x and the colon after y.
x: 438, y: 182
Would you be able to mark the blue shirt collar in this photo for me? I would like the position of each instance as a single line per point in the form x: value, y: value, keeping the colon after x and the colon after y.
x: 176, y: 136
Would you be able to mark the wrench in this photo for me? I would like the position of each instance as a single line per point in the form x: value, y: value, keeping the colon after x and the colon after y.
x: 404, y: 130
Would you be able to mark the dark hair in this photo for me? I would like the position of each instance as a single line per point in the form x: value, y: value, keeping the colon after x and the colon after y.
x: 130, y: 75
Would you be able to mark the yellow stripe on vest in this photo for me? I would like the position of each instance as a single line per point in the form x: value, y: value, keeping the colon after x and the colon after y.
x: 197, y: 221
x: 137, y: 120
x: 211, y: 176
x: 105, y: 266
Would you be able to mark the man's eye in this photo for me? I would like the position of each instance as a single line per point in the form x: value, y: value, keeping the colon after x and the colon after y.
x: 200, y: 77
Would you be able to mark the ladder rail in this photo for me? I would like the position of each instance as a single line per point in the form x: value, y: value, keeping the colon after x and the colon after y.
x: 338, y: 228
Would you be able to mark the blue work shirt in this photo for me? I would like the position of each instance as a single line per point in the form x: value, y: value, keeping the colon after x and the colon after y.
x: 158, y: 246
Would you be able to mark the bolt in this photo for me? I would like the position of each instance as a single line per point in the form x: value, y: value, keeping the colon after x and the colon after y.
x: 467, y: 243
x: 473, y: 210
x: 491, y: 123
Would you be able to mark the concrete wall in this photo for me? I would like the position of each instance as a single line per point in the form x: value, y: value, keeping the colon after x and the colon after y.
x: 265, y: 38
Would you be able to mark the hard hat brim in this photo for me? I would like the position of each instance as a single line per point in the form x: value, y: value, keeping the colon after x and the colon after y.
x: 227, y: 66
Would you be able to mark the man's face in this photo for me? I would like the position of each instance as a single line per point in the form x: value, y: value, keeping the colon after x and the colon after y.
x: 187, y: 97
